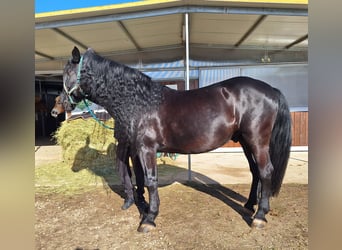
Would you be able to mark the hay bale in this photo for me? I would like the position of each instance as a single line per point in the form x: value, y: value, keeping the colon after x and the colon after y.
x: 84, y: 141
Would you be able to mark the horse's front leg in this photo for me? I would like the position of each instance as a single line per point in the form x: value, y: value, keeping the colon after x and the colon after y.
x: 148, y: 161
x: 122, y: 166
x: 139, y: 176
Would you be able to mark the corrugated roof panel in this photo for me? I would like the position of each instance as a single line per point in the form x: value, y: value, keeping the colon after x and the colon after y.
x: 53, y: 44
x: 156, y: 31
x: 278, y: 31
x: 210, y: 76
x: 219, y: 28
x: 159, y: 36
x: 102, y: 37
x: 170, y: 74
x: 166, y: 65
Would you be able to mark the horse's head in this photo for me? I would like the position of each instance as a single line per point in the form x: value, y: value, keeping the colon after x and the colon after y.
x: 62, y: 105
x: 71, y: 78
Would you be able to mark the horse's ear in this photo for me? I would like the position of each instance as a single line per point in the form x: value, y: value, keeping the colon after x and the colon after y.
x: 76, y: 56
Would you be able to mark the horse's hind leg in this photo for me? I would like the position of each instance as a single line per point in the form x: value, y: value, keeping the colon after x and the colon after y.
x: 253, y: 194
x: 265, y: 167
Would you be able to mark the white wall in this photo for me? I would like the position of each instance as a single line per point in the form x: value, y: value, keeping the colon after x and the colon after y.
x: 291, y: 80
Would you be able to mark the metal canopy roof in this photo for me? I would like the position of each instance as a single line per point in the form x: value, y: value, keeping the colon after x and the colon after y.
x: 241, y: 34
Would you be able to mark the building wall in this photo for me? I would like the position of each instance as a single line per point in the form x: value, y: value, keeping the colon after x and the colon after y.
x: 290, y: 79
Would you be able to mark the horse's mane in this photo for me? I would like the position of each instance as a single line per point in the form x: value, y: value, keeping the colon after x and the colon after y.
x: 125, y: 92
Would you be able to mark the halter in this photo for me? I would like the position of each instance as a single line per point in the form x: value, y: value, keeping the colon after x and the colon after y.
x: 76, y: 86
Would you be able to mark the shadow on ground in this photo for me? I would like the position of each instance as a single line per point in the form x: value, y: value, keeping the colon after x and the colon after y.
x: 102, y: 165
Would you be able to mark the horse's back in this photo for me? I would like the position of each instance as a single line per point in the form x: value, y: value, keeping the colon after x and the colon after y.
x: 250, y: 91
x: 246, y: 83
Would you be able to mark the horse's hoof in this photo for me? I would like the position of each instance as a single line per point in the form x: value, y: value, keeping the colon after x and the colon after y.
x: 127, y: 204
x: 145, y: 228
x: 258, y: 223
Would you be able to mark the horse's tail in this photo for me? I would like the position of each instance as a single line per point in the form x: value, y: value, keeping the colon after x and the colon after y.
x: 280, y: 143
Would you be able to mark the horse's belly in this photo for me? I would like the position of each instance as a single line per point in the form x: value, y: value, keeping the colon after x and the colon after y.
x: 203, y: 124
x: 195, y: 140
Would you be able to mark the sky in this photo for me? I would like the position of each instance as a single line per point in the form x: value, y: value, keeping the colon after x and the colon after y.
x: 56, y: 5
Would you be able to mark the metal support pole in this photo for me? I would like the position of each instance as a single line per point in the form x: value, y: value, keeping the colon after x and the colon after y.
x: 187, y: 84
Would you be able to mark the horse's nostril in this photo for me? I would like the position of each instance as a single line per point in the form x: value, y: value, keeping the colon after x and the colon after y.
x: 53, y: 113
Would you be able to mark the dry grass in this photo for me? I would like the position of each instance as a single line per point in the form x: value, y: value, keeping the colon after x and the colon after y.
x: 58, y: 178
x: 85, y: 140
x: 88, y: 160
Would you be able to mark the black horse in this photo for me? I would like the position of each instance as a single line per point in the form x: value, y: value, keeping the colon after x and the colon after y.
x: 151, y: 118
x: 63, y: 104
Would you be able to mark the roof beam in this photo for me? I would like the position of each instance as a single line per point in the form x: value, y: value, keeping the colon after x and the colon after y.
x: 299, y: 40
x: 44, y: 55
x: 251, y: 29
x: 70, y: 38
x: 129, y: 35
x: 126, y: 52
x: 170, y: 11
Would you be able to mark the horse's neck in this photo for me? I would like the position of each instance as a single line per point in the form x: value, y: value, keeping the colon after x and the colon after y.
x: 116, y: 99
x: 104, y: 100
x: 92, y: 94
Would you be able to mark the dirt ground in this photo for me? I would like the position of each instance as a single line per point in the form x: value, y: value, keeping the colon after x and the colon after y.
x: 206, y: 213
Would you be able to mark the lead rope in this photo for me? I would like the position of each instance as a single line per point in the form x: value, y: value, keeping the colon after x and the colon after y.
x: 94, y: 116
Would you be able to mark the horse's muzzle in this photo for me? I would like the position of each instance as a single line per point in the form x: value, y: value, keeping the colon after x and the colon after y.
x: 54, y: 113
